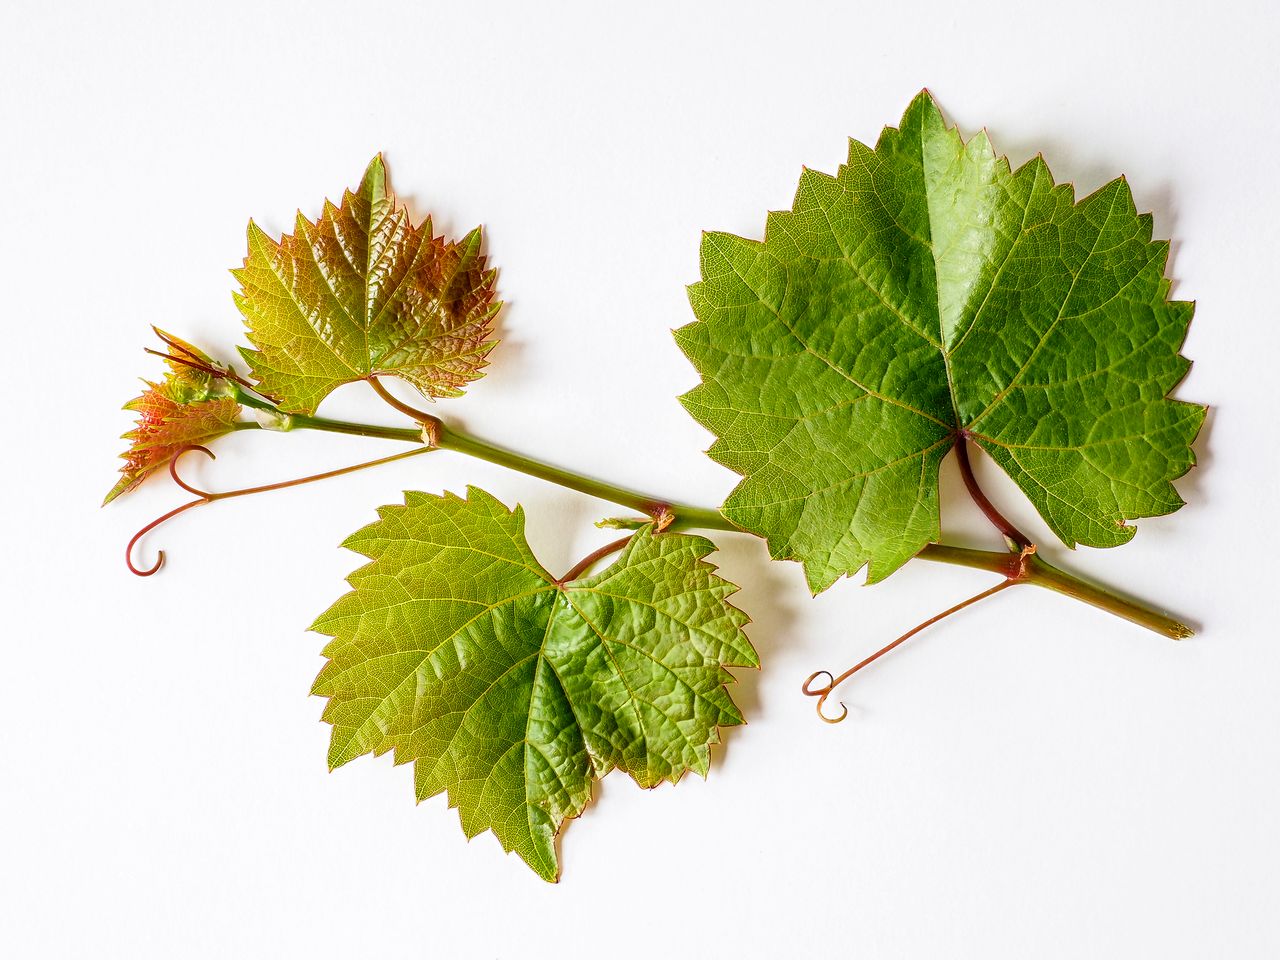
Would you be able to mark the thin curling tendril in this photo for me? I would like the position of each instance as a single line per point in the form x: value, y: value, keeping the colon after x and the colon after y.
x: 822, y: 693
x: 1022, y: 550
x: 206, y: 496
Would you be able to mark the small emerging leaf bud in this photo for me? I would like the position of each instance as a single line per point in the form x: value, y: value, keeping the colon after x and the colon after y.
x: 194, y: 404
x: 623, y: 523
x: 271, y: 420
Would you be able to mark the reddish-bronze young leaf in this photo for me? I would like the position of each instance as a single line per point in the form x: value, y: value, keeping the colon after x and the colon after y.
x: 362, y: 292
x: 184, y: 409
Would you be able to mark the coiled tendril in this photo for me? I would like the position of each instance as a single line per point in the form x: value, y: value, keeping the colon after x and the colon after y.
x: 206, y: 496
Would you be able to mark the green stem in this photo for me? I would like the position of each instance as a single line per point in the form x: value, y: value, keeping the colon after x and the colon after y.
x: 686, y: 516
x: 408, y: 434
x: 1034, y: 570
x: 1003, y: 563
x: 1044, y: 574
x: 301, y: 421
x: 1041, y: 573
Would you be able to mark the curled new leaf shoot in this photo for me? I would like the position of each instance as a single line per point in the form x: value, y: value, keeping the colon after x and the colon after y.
x: 197, y: 401
x: 195, y: 363
x: 207, y: 496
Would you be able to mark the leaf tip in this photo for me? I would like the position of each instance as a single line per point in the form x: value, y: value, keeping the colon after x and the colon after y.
x: 373, y: 185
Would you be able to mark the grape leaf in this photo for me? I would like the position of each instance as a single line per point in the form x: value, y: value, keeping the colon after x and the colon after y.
x: 926, y: 292
x: 456, y: 650
x: 363, y: 292
x: 185, y: 408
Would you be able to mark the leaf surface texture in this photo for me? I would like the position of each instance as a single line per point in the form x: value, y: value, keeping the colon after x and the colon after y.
x: 363, y: 292
x: 923, y: 292
x: 511, y: 692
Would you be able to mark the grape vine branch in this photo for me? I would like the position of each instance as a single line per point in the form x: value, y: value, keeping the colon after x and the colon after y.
x: 1020, y: 564
x: 924, y: 301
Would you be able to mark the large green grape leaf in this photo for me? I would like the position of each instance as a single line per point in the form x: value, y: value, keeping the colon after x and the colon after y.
x: 188, y: 407
x: 928, y: 292
x: 363, y: 292
x: 456, y: 650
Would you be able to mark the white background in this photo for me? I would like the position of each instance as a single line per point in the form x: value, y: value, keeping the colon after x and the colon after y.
x: 1031, y: 779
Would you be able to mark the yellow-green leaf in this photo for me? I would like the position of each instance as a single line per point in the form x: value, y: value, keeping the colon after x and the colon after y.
x: 513, y: 692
